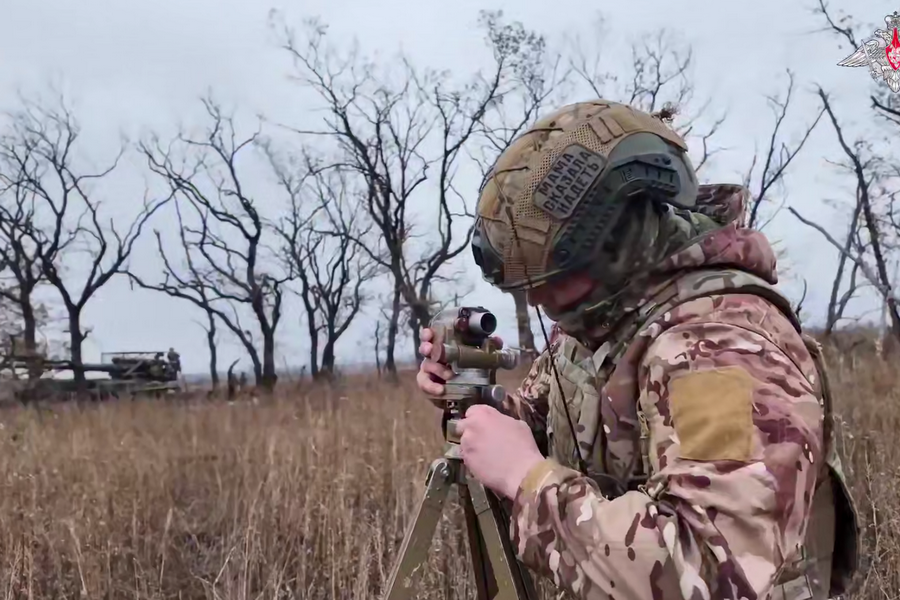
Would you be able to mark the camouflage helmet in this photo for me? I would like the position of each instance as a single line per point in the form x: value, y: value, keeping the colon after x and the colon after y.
x: 554, y: 197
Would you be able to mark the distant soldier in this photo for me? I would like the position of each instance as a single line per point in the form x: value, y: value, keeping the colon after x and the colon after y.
x: 174, y: 360
x: 242, y: 382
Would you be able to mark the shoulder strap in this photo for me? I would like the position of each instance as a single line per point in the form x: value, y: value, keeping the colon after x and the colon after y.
x: 701, y: 283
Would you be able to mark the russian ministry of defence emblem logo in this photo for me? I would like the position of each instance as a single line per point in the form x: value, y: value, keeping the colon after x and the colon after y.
x: 881, y: 53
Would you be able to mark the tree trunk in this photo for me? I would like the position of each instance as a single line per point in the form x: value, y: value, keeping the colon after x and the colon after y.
x: 834, y: 311
x: 880, y: 264
x: 523, y: 322
x: 257, y: 365
x: 29, y: 333
x: 247, y: 343
x: 416, y: 327
x: 270, y: 377
x: 213, y: 351
x: 328, y: 357
x: 393, y: 325
x: 378, y: 347
x: 313, y: 350
x: 266, y: 378
x: 75, y: 339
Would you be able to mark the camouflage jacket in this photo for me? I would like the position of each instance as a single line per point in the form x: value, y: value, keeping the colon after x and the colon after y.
x: 706, y: 430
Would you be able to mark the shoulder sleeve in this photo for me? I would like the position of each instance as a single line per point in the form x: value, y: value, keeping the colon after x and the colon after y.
x: 735, y: 438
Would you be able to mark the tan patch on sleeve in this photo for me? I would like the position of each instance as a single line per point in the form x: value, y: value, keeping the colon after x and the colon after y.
x: 712, y: 412
x: 534, y: 479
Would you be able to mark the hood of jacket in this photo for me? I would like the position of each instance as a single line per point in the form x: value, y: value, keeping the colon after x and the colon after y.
x: 654, y: 246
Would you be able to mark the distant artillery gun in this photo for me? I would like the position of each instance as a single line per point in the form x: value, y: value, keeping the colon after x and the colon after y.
x: 130, y: 374
x: 144, y: 366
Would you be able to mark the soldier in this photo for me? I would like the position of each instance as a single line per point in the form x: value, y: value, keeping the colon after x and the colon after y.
x: 174, y: 360
x: 688, y: 452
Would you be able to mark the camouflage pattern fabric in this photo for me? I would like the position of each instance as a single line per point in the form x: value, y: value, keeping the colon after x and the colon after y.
x: 721, y: 396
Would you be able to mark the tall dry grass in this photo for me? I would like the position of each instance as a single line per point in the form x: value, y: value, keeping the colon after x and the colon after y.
x: 302, y: 496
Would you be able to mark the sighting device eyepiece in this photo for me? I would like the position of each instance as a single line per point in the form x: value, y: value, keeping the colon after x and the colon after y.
x: 482, y: 323
x: 462, y: 340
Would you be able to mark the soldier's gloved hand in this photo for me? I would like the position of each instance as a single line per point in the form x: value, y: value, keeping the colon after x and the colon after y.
x: 432, y: 374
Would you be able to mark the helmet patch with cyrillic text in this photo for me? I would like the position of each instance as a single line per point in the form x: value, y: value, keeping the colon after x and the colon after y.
x: 571, y: 175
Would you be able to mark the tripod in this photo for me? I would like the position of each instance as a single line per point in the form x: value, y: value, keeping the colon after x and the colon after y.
x: 498, y: 575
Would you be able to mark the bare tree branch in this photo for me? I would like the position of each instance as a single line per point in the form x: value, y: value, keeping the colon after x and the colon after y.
x: 864, y: 178
x: 658, y: 81
x: 778, y: 155
x: 223, y: 244
x: 859, y: 261
x: 836, y: 305
x: 321, y: 237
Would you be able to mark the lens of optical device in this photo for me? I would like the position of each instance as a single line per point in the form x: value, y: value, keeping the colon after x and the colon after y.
x: 483, y: 322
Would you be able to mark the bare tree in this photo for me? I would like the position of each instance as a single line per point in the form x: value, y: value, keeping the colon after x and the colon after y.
x: 223, y: 243
x: 837, y: 302
x: 19, y: 259
x: 407, y: 139
x: 536, y: 82
x: 42, y: 146
x: 767, y: 170
x: 13, y: 345
x: 318, y: 236
x: 10, y: 331
x: 777, y: 156
x: 878, y: 194
x: 867, y: 169
x: 868, y: 172
x: 658, y: 80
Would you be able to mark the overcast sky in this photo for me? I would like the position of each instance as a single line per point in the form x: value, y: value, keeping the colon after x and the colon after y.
x: 133, y: 68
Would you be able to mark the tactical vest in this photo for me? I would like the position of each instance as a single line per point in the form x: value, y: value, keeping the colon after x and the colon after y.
x: 618, y: 463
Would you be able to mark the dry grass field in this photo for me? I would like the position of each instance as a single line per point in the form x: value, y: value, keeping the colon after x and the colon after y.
x: 303, y: 496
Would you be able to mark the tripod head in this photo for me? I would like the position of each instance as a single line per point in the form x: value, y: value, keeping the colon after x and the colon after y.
x: 462, y: 340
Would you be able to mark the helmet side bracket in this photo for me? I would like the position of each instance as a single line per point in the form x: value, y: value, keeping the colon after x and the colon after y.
x: 647, y: 177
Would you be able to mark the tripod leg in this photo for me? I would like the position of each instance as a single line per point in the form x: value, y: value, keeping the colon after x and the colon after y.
x: 512, y: 580
x: 485, y: 584
x: 417, y: 543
